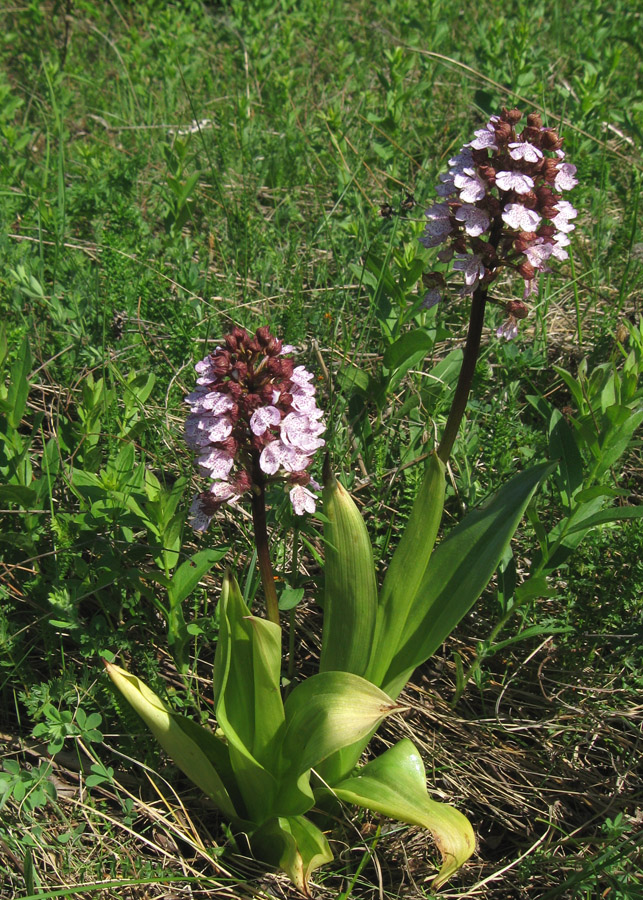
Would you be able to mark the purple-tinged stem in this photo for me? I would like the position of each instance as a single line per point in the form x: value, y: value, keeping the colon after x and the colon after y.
x: 470, y: 358
x: 471, y: 350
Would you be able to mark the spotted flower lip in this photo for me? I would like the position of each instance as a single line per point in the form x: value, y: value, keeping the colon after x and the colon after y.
x: 501, y: 205
x: 253, y: 418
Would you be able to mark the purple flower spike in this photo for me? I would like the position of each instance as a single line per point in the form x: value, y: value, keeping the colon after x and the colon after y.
x: 501, y: 208
x: 253, y: 418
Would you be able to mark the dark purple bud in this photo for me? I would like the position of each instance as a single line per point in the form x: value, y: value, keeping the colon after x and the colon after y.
x: 263, y: 335
x: 527, y: 270
x: 517, y: 309
x: 549, y: 139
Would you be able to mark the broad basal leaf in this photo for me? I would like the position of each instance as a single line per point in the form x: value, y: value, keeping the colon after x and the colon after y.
x: 248, y: 702
x: 293, y: 844
x: 350, y: 598
x: 394, y: 785
x: 407, y: 569
x: 178, y: 741
x: 329, y: 711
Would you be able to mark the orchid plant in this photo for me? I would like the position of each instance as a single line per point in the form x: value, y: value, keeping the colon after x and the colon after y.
x: 254, y: 421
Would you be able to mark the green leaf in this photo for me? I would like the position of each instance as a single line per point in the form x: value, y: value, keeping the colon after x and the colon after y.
x: 394, y: 785
x: 562, y: 446
x: 19, y: 385
x: 329, y: 711
x: 566, y: 536
x: 294, y: 845
x: 459, y: 570
x: 248, y: 704
x: 407, y: 348
x: 407, y: 569
x: 190, y: 573
x: 350, y: 598
x: 17, y: 493
x: 605, y: 516
x: 350, y: 377
x: 178, y: 637
x: 290, y: 597
x: 177, y: 741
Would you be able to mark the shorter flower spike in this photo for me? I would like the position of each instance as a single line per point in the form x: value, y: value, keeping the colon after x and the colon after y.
x: 253, y: 418
x: 501, y: 206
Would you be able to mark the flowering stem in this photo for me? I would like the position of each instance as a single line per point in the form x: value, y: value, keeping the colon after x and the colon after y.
x: 263, y: 552
x: 471, y: 350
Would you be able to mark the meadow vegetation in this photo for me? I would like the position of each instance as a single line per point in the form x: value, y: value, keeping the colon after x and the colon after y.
x: 171, y: 169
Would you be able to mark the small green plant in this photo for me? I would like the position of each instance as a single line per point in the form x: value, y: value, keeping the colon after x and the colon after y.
x: 29, y: 788
x: 59, y: 725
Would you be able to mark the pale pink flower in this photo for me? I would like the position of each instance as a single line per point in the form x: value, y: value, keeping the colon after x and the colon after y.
x: 525, y: 150
x: 514, y: 181
x: 485, y: 138
x: 508, y: 330
x: 472, y: 268
x: 538, y: 253
x: 215, y: 463
x: 565, y: 212
x: 560, y: 241
x: 302, y: 500
x: 271, y: 457
x: 476, y: 221
x: 565, y: 179
x: 252, y: 415
x: 446, y: 187
x: 517, y: 216
x: 471, y: 186
x: 263, y: 418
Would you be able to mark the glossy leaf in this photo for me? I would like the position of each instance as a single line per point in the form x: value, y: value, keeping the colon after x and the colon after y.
x: 459, y: 570
x: 350, y: 599
x: 178, y: 741
x: 329, y: 711
x: 394, y: 785
x: 293, y: 844
x: 248, y: 702
x: 407, y: 569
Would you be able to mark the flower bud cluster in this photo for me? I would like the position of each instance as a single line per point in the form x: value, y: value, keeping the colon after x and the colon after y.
x: 253, y: 417
x: 502, y: 206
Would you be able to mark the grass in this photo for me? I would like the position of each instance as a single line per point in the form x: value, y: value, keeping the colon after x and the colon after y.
x: 129, y: 245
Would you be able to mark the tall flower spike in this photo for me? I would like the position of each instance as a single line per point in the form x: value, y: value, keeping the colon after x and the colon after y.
x: 253, y: 419
x: 501, y: 206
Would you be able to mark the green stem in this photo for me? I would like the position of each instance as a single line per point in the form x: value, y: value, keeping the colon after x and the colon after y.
x: 263, y: 551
